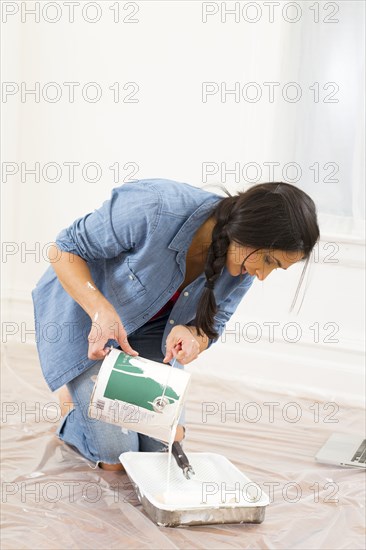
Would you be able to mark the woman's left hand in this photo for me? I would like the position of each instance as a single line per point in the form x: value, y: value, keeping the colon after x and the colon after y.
x: 182, y: 345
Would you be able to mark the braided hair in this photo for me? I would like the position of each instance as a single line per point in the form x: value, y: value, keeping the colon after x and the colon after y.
x: 273, y: 215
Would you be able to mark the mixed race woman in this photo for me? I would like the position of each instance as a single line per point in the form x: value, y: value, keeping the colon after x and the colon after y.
x: 159, y: 268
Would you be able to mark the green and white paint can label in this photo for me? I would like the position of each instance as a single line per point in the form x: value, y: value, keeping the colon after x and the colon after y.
x: 139, y: 394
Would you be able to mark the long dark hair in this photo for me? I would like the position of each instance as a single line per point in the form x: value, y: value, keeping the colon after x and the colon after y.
x: 274, y: 215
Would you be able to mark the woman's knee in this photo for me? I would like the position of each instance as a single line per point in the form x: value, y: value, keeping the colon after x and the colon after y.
x: 110, y: 441
x: 96, y: 440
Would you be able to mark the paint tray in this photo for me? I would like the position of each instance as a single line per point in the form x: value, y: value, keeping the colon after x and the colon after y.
x: 217, y: 493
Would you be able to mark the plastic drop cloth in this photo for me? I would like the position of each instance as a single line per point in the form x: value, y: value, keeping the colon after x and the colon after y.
x: 52, y: 498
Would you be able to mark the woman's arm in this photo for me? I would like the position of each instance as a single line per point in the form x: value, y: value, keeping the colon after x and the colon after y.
x: 202, y: 340
x: 75, y: 277
x: 184, y: 344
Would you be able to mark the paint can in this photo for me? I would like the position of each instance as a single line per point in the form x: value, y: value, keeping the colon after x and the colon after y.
x: 139, y: 394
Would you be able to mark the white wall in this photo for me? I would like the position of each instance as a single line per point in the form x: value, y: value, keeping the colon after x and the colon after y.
x: 170, y: 132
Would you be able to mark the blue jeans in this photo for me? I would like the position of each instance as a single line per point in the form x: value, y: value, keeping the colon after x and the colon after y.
x: 100, y: 441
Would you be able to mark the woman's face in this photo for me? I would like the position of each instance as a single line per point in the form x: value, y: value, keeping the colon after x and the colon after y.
x: 261, y: 263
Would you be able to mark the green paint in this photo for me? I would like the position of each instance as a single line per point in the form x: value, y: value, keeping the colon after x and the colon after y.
x: 123, y: 363
x: 137, y: 390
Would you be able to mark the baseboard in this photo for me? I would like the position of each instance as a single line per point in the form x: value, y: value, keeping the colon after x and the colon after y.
x: 291, y: 373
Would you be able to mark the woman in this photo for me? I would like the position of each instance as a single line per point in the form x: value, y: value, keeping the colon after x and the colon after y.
x: 159, y: 269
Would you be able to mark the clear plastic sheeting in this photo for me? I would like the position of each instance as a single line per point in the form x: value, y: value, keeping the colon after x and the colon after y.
x: 53, y: 498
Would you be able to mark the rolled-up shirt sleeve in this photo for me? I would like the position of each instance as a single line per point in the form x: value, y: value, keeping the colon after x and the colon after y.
x: 228, y: 307
x: 120, y: 225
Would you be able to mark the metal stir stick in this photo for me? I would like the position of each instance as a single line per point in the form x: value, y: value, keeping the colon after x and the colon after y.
x: 177, y: 451
x: 159, y: 403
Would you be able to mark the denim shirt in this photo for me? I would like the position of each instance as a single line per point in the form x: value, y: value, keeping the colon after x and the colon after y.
x: 135, y: 246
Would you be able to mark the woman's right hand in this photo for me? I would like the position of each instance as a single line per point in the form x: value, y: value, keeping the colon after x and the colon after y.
x: 106, y: 325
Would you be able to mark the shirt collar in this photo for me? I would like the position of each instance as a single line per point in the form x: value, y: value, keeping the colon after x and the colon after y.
x: 183, y: 237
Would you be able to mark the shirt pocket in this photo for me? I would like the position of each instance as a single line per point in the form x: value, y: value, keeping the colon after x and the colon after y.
x: 128, y: 286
